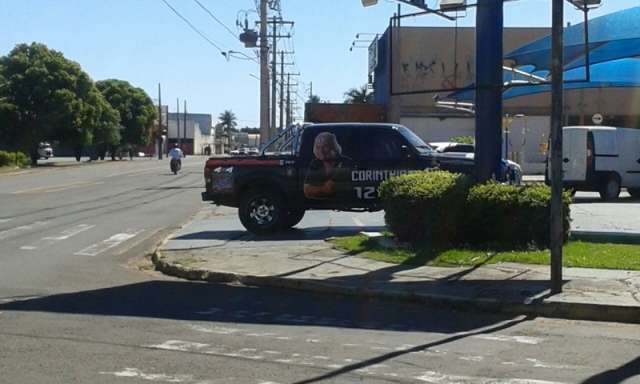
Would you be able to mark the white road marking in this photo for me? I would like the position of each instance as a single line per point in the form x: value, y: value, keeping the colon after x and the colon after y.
x: 64, y: 235
x: 178, y: 345
x: 216, y: 330
x: 514, y: 339
x: 162, y: 377
x: 471, y: 358
x: 6, y: 233
x: 540, y: 364
x: 104, y: 245
x: 58, y: 188
x: 357, y: 221
x: 5, y: 220
x: 438, y: 378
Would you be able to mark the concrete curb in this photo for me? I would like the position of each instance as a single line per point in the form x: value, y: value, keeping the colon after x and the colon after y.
x: 606, y: 236
x: 538, y: 307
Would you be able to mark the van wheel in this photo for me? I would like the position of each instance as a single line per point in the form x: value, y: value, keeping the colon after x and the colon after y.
x: 292, y: 218
x: 610, y: 188
x: 262, y: 212
x: 634, y: 192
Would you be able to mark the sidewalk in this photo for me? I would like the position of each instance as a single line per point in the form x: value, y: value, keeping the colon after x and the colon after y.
x: 302, y: 260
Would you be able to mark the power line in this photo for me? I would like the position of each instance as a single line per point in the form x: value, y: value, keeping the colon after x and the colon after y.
x: 193, y: 27
x: 216, y: 19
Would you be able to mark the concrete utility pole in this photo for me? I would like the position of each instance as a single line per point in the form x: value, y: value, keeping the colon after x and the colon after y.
x: 272, y: 129
x: 288, y: 99
x: 557, y: 79
x: 178, y: 123
x: 264, y: 75
x: 184, y: 125
x: 281, y: 90
x: 489, y: 84
x: 159, y: 123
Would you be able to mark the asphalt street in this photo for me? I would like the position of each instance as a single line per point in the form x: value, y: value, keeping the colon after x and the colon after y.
x: 79, y: 304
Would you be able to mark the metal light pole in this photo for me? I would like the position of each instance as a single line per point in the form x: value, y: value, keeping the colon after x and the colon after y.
x: 557, y: 214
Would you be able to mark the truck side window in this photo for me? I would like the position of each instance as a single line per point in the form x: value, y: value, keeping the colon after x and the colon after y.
x: 380, y: 145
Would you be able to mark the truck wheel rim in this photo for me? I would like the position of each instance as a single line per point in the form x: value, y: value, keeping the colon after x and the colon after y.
x: 261, y: 211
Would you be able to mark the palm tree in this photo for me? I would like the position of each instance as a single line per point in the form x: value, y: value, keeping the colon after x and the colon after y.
x: 359, y: 95
x: 228, y: 121
x: 313, y: 99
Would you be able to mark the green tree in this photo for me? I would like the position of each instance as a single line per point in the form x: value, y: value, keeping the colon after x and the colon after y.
x: 137, y: 112
x: 313, y: 99
x: 358, y: 96
x: 48, y: 97
x: 228, y: 121
x: 463, y: 139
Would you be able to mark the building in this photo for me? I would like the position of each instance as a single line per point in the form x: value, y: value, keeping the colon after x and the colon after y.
x: 413, y: 69
x: 199, y: 136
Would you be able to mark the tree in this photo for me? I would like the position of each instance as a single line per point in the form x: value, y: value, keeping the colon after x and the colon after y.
x: 228, y: 121
x: 137, y: 112
x: 359, y: 96
x: 45, y: 96
x: 313, y: 99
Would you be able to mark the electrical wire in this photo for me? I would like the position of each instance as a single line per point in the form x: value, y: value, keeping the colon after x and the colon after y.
x: 193, y: 27
x: 216, y: 19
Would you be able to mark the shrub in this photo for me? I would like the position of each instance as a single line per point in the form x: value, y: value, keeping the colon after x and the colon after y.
x: 508, y: 216
x: 425, y: 207
x: 18, y: 159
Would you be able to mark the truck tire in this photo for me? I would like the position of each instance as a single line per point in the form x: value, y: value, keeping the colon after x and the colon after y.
x: 634, y: 192
x: 262, y: 212
x: 293, y: 217
x: 610, y: 187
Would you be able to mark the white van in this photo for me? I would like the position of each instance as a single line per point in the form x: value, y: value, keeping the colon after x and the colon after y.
x: 602, y: 159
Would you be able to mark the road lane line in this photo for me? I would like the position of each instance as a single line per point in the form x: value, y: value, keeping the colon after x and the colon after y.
x: 5, y: 220
x: 64, y: 235
x: 6, y: 233
x: 162, y: 377
x: 438, y: 377
x: 104, y: 245
x: 57, y: 188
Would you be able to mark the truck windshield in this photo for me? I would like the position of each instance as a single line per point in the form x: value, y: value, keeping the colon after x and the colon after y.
x: 414, y: 139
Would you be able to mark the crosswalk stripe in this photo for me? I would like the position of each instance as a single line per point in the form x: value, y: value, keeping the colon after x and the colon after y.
x: 12, y: 231
x: 64, y: 235
x: 111, y: 242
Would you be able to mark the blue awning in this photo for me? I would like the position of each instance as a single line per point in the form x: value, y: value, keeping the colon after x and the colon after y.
x: 611, y: 37
x: 613, y: 74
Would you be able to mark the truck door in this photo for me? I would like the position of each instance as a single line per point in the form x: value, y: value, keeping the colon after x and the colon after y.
x: 574, y: 154
x: 326, y: 161
x: 381, y: 153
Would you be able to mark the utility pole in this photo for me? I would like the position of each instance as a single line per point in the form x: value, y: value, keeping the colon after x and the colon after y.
x: 184, y: 124
x: 288, y: 99
x: 159, y: 123
x: 178, y: 123
x: 264, y: 75
x: 272, y: 130
x: 556, y: 220
x: 274, y: 66
x: 281, y: 90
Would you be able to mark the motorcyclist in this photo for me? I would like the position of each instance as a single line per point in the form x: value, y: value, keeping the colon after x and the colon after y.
x: 176, y: 154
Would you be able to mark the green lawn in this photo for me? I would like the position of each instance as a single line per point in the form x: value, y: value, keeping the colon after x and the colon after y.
x: 576, y: 254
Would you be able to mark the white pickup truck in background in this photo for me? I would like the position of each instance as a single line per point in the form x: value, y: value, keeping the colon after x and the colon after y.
x: 602, y: 159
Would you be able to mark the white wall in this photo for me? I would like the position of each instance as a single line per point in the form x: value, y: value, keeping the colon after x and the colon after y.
x: 432, y: 129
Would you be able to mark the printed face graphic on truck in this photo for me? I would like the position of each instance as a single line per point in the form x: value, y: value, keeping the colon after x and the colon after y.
x: 328, y: 170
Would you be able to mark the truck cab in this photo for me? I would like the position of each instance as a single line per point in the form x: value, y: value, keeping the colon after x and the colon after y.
x: 320, y: 166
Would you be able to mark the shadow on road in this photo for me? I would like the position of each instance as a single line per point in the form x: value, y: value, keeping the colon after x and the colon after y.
x: 618, y: 375
x: 295, y: 234
x: 239, y: 304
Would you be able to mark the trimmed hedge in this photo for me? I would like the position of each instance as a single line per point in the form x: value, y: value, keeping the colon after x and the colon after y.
x: 424, y: 207
x: 17, y: 159
x: 441, y: 209
x: 508, y: 216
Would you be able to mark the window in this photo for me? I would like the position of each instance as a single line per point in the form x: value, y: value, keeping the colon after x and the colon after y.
x: 380, y: 145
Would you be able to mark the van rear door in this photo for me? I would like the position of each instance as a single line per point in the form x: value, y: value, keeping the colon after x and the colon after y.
x: 574, y: 151
x: 629, y: 140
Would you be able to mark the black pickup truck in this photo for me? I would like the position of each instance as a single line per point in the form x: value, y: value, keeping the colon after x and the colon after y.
x: 322, y: 166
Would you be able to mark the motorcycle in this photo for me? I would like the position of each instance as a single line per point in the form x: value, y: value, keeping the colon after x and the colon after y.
x: 175, y: 166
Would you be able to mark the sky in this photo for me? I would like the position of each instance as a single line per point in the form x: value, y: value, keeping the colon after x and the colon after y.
x: 146, y: 43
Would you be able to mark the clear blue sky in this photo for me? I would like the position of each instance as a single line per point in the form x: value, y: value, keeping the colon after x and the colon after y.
x: 144, y: 42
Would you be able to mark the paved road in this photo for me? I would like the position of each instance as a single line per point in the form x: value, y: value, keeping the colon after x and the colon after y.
x: 78, y: 306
